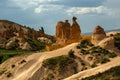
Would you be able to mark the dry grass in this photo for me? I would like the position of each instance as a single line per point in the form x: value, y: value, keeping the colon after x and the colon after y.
x: 53, y: 47
x: 84, y: 37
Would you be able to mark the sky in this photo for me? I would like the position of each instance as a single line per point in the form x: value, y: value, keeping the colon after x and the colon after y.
x: 46, y: 13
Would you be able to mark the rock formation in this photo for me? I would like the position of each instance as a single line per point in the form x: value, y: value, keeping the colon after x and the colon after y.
x: 65, y: 32
x: 75, y: 30
x: 98, y: 35
x: 16, y: 36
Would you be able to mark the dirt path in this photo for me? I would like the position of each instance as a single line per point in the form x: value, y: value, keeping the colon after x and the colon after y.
x: 25, y: 75
x: 93, y: 71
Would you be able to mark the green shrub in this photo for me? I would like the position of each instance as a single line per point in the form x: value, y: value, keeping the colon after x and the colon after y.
x: 104, y: 60
x: 93, y: 65
x: 117, y: 40
x: 83, y: 51
x: 60, y: 60
x: 71, y: 54
x: 112, y: 55
x: 37, y: 45
x: 4, y: 58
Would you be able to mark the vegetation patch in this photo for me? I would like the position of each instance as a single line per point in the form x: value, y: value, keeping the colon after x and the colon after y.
x: 60, y: 60
x: 94, y: 65
x: 4, y: 55
x: 117, y: 40
x: 111, y: 74
x: 105, y: 60
x: 37, y: 45
x: 84, y: 44
x: 71, y: 54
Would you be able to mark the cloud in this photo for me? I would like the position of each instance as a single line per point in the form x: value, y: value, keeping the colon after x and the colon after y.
x: 87, y: 10
x: 49, y: 7
x: 25, y: 4
x: 79, y: 3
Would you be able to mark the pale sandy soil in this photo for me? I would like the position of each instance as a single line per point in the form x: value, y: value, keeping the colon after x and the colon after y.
x: 34, y: 61
x: 114, y: 62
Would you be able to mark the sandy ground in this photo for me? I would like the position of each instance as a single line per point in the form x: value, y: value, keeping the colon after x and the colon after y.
x: 114, y: 62
x: 34, y: 62
x: 25, y: 75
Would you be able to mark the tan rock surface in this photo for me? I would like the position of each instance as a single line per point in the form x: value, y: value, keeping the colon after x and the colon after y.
x: 75, y: 30
x: 65, y: 32
x: 98, y: 35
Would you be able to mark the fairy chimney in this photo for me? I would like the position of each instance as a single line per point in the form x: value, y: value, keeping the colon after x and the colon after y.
x: 75, y: 30
x: 98, y: 35
x: 66, y: 33
x: 62, y: 31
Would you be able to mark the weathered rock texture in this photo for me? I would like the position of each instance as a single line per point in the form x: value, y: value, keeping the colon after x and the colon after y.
x: 98, y: 35
x: 16, y: 36
x: 65, y: 32
x: 75, y: 30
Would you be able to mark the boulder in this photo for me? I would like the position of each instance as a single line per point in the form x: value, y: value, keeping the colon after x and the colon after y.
x: 26, y: 46
x: 98, y: 35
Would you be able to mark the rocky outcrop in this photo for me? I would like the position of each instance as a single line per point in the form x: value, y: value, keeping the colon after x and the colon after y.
x: 15, y: 36
x: 26, y: 46
x: 98, y: 35
x: 45, y: 40
x: 75, y: 30
x: 65, y: 32
x: 12, y: 43
x: 62, y: 31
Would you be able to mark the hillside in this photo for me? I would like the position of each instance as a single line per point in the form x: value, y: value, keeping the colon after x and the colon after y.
x: 73, y: 55
x: 50, y: 65
x: 111, y: 74
x: 15, y: 36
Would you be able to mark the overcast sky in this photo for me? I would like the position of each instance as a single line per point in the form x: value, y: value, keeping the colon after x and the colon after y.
x: 46, y: 13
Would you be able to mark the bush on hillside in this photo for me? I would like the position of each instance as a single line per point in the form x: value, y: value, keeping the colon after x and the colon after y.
x: 71, y: 54
x: 105, y: 60
x: 37, y: 45
x: 60, y: 60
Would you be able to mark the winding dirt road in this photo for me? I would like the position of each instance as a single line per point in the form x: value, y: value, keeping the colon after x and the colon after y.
x: 114, y: 62
x: 25, y: 75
